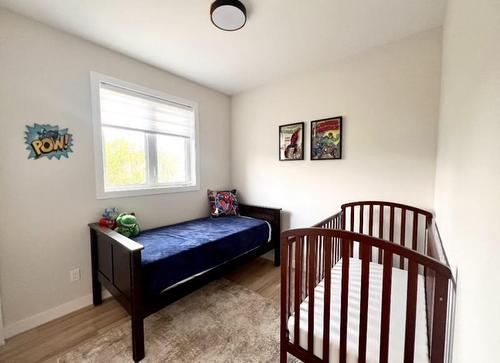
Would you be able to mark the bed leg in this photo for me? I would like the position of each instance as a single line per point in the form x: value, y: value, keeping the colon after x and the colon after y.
x: 96, y: 285
x: 96, y: 292
x: 137, y: 338
x: 137, y: 311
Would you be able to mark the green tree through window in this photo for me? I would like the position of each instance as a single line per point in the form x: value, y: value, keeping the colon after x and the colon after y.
x: 125, y: 163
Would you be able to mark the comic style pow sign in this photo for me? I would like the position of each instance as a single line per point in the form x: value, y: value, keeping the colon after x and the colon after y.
x: 47, y: 141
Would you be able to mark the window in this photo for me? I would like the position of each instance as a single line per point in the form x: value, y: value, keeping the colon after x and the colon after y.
x: 145, y: 141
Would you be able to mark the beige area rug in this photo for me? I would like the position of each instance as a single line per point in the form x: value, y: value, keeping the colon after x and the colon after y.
x: 222, y: 322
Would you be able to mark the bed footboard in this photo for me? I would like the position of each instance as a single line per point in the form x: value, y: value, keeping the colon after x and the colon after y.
x: 116, y: 264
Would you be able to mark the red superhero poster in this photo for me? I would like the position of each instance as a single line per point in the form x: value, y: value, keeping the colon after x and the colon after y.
x: 326, y: 139
x: 292, y: 141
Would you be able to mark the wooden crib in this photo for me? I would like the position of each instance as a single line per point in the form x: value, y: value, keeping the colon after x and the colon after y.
x: 369, y: 284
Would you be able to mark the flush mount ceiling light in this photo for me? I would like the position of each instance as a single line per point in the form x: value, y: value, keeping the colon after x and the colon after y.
x: 228, y: 15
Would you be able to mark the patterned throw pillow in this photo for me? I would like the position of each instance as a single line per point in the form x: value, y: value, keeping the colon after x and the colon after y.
x: 223, y: 203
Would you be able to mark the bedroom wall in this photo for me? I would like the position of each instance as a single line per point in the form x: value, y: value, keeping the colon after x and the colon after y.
x: 46, y: 204
x: 468, y: 172
x: 389, y: 98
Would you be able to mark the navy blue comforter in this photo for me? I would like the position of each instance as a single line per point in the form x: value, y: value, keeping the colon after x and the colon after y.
x: 174, y: 253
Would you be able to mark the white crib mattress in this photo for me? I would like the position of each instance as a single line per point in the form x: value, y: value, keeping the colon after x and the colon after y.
x: 397, y: 319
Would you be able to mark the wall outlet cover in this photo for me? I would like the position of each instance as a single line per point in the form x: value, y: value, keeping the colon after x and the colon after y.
x: 74, y: 275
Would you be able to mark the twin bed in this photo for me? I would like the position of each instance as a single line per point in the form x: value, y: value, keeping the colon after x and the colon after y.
x: 163, y: 264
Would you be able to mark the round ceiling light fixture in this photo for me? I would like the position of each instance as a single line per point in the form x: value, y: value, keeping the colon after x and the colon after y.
x: 228, y: 15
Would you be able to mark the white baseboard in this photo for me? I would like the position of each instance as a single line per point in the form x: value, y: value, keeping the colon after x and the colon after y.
x: 33, y: 321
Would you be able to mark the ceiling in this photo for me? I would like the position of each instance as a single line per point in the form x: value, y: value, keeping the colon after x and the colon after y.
x: 281, y: 36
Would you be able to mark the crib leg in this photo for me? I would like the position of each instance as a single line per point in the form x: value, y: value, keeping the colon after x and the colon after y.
x: 283, y: 353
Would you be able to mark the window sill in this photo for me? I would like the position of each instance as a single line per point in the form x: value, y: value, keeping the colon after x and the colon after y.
x: 145, y: 191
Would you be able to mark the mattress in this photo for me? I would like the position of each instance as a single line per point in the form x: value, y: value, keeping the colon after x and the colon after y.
x: 397, y: 320
x: 174, y: 253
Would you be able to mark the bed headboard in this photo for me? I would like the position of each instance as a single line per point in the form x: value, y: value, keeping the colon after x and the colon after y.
x: 271, y: 215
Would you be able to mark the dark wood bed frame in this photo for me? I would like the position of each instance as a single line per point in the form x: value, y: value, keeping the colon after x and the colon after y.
x: 306, y: 254
x: 116, y: 265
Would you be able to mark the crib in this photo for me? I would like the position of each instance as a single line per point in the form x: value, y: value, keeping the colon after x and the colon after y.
x: 371, y: 283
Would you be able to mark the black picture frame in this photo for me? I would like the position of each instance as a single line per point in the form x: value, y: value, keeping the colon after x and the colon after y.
x: 282, y: 140
x: 320, y: 151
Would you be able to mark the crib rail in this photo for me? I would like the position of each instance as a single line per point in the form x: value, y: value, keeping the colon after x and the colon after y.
x: 436, y: 250
x: 308, y: 256
x: 393, y: 222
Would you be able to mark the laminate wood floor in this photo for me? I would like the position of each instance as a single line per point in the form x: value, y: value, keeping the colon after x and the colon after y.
x: 46, y: 342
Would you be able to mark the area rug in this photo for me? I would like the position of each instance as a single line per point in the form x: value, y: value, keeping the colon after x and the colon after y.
x: 222, y: 322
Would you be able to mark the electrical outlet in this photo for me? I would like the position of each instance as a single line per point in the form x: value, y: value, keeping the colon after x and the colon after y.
x: 74, y: 275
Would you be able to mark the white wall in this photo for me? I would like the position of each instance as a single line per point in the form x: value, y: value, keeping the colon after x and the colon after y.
x: 389, y: 98
x: 46, y: 204
x: 467, y: 193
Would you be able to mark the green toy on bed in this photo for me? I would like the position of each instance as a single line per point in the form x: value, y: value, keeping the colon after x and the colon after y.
x: 126, y: 224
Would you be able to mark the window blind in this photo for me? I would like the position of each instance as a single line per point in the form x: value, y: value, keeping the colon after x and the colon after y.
x: 128, y: 109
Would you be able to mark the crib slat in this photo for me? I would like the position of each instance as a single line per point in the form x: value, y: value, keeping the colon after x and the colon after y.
x: 319, y: 254
x: 363, y: 313
x: 411, y: 311
x: 289, y: 279
x: 342, y: 226
x: 352, y: 230
x: 344, y: 299
x: 319, y: 260
x: 337, y: 250
x: 361, y: 215
x: 306, y: 260
x: 415, y: 231
x: 386, y: 307
x: 298, y: 290
x: 326, y: 306
x: 370, y: 220
x: 391, y: 224
x: 370, y: 223
x: 334, y: 246
x: 402, y: 239
x: 337, y: 240
x: 312, y: 242
x: 380, y: 230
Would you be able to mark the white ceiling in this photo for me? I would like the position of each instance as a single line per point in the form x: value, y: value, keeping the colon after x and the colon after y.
x: 280, y: 37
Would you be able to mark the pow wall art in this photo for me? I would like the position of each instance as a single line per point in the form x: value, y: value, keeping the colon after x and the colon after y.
x: 47, y: 141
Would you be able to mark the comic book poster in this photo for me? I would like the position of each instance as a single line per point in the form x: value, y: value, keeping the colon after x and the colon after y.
x: 47, y: 141
x: 326, y: 139
x: 292, y: 141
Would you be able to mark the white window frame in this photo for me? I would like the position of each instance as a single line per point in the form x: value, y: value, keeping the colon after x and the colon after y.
x: 95, y: 81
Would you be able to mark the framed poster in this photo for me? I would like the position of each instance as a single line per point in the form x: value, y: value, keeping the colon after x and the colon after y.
x: 292, y: 141
x: 326, y: 139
